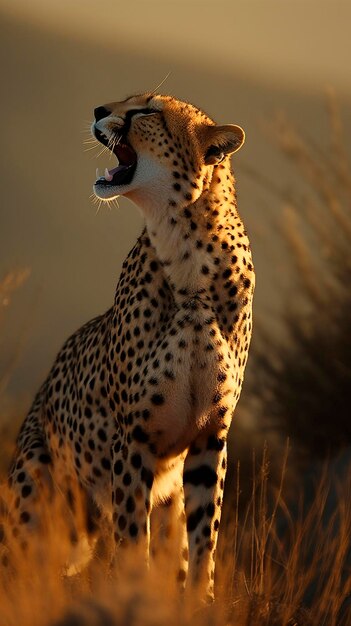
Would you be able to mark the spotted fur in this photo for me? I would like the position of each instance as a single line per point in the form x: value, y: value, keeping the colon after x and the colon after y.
x: 139, y: 400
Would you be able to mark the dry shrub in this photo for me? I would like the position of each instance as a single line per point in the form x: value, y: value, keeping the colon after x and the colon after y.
x: 9, y: 284
x: 302, y: 381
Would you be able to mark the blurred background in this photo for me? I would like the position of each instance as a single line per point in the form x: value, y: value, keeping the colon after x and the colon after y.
x: 280, y: 70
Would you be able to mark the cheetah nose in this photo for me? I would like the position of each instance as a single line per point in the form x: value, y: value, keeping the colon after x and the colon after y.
x: 100, y: 113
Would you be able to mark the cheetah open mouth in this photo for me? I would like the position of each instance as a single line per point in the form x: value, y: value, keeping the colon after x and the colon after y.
x: 127, y: 162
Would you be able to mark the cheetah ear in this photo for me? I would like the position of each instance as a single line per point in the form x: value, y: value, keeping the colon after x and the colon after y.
x: 220, y: 141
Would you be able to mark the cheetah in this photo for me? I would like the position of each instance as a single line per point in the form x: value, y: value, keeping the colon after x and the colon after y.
x: 139, y: 400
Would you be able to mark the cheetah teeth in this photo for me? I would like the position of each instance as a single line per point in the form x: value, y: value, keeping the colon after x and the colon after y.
x: 108, y: 176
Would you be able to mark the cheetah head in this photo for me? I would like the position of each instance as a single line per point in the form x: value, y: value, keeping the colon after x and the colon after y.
x: 166, y: 149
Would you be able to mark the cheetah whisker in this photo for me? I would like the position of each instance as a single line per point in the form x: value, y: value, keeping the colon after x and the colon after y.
x: 161, y: 83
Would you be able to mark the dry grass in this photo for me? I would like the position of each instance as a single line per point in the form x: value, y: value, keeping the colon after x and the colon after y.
x: 10, y: 412
x: 272, y: 570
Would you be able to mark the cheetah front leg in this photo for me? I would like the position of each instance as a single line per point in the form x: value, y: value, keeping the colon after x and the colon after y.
x: 204, y: 473
x: 132, y: 480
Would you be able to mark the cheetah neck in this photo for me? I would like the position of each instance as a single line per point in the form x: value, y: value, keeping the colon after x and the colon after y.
x: 203, y: 247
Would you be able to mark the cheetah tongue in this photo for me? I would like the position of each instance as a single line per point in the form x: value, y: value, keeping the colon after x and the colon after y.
x: 109, y: 174
x: 124, y: 172
x: 117, y: 176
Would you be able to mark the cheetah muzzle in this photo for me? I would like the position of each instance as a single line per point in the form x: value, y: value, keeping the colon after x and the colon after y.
x: 127, y: 160
x: 138, y: 403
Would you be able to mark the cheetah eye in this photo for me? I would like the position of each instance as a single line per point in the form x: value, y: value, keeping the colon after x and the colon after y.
x: 141, y: 112
x: 146, y: 114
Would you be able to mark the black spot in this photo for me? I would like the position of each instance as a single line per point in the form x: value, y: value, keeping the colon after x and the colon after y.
x: 194, y: 518
x: 157, y: 399
x: 202, y: 475
x: 147, y: 477
x: 181, y: 575
x: 78, y: 447
x: 21, y: 477
x: 88, y: 457
x: 222, y: 411
x: 26, y: 491
x: 214, y: 443
x: 140, y: 435
x: 222, y: 376
x: 133, y: 530
x: 146, y: 414
x: 216, y: 398
x: 206, y: 531
x: 118, y: 467
x: 106, y: 463
x: 24, y: 517
x: 169, y: 374
x: 102, y: 435
x: 127, y: 479
x: 119, y: 495
x: 136, y: 461
x: 122, y: 522
x: 210, y: 509
x: 130, y: 504
x: 45, y: 459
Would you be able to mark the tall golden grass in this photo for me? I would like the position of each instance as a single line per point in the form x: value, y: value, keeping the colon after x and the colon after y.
x: 268, y: 573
